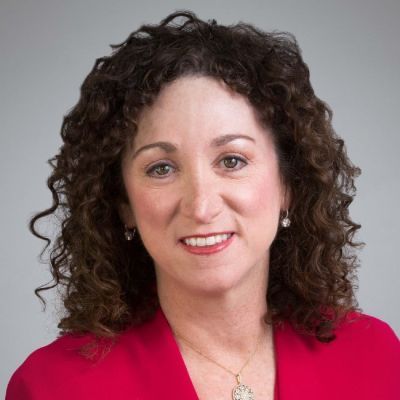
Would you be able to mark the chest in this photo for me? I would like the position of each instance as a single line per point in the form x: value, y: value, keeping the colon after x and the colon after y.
x: 213, y: 382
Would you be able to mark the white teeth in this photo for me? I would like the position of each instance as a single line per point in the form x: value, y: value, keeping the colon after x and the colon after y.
x: 209, y: 241
x: 200, y: 242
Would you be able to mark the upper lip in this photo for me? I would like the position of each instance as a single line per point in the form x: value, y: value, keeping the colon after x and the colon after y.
x: 205, y: 235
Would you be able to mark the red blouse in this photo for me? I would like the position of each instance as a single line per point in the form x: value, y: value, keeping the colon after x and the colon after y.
x: 363, y: 362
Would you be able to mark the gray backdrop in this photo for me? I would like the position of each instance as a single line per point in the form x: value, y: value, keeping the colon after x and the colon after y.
x: 48, y: 47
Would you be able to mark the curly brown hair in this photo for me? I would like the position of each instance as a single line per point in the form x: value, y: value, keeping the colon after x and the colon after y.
x: 109, y: 283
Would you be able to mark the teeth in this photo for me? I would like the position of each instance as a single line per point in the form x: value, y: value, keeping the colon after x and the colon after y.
x: 209, y: 241
x: 191, y: 241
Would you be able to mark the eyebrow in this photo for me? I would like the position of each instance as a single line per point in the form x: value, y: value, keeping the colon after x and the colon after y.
x: 170, y: 148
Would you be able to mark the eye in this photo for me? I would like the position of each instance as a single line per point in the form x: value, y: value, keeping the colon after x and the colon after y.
x: 159, y: 170
x: 234, y: 162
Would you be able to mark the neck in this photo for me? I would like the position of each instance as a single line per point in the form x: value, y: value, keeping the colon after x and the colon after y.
x: 227, y: 322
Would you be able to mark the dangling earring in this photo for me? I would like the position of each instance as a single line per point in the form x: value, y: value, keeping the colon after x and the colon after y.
x: 129, y: 233
x: 285, y: 221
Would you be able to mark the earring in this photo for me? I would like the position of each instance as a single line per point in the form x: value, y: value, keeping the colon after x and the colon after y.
x: 285, y: 221
x: 129, y: 233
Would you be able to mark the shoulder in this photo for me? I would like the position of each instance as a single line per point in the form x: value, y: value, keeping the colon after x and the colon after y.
x: 361, y: 337
x: 79, y: 363
x: 54, y: 362
x: 366, y: 352
x: 363, y: 331
x: 77, y: 367
x: 356, y: 328
x: 361, y: 362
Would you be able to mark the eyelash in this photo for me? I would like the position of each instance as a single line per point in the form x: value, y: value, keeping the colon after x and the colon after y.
x: 151, y: 171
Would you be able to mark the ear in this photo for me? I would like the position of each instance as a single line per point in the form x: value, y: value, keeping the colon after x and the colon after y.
x: 126, y: 215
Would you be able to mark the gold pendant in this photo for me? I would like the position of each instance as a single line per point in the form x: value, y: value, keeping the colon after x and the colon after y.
x: 241, y: 391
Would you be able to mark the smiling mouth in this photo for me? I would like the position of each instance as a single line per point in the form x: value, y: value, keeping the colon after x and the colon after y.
x: 208, y: 241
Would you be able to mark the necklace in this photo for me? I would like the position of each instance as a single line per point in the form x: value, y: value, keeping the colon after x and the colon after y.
x: 240, y: 391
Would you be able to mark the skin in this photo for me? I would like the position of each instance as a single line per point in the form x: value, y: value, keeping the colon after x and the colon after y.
x: 218, y: 300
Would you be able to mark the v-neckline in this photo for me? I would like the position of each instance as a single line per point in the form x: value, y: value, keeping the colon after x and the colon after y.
x: 177, y: 355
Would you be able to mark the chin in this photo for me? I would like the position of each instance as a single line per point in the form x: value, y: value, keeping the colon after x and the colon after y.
x: 216, y: 285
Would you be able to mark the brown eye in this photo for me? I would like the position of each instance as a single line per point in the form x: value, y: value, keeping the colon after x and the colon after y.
x: 234, y: 162
x: 160, y: 170
x: 230, y: 162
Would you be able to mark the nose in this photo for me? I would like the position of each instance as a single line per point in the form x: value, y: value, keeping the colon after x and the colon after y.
x: 201, y: 198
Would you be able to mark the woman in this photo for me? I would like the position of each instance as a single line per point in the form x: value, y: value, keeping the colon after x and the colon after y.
x: 205, y: 248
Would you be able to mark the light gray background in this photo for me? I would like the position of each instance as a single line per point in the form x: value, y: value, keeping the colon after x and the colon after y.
x: 48, y: 47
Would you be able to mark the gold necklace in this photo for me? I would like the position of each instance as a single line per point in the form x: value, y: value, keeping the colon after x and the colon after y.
x: 240, y: 391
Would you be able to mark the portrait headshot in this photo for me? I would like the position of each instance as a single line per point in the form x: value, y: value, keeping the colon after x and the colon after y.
x: 200, y: 200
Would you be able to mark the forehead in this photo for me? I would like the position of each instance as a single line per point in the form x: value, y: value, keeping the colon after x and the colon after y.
x: 197, y: 106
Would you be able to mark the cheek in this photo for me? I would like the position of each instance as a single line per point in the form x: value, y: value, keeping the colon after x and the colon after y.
x: 260, y: 198
x: 150, y: 207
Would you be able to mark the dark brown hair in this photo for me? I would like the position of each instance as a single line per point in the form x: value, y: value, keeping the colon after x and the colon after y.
x: 109, y: 283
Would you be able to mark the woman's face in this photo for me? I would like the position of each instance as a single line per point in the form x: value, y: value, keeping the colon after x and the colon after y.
x: 202, y: 165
